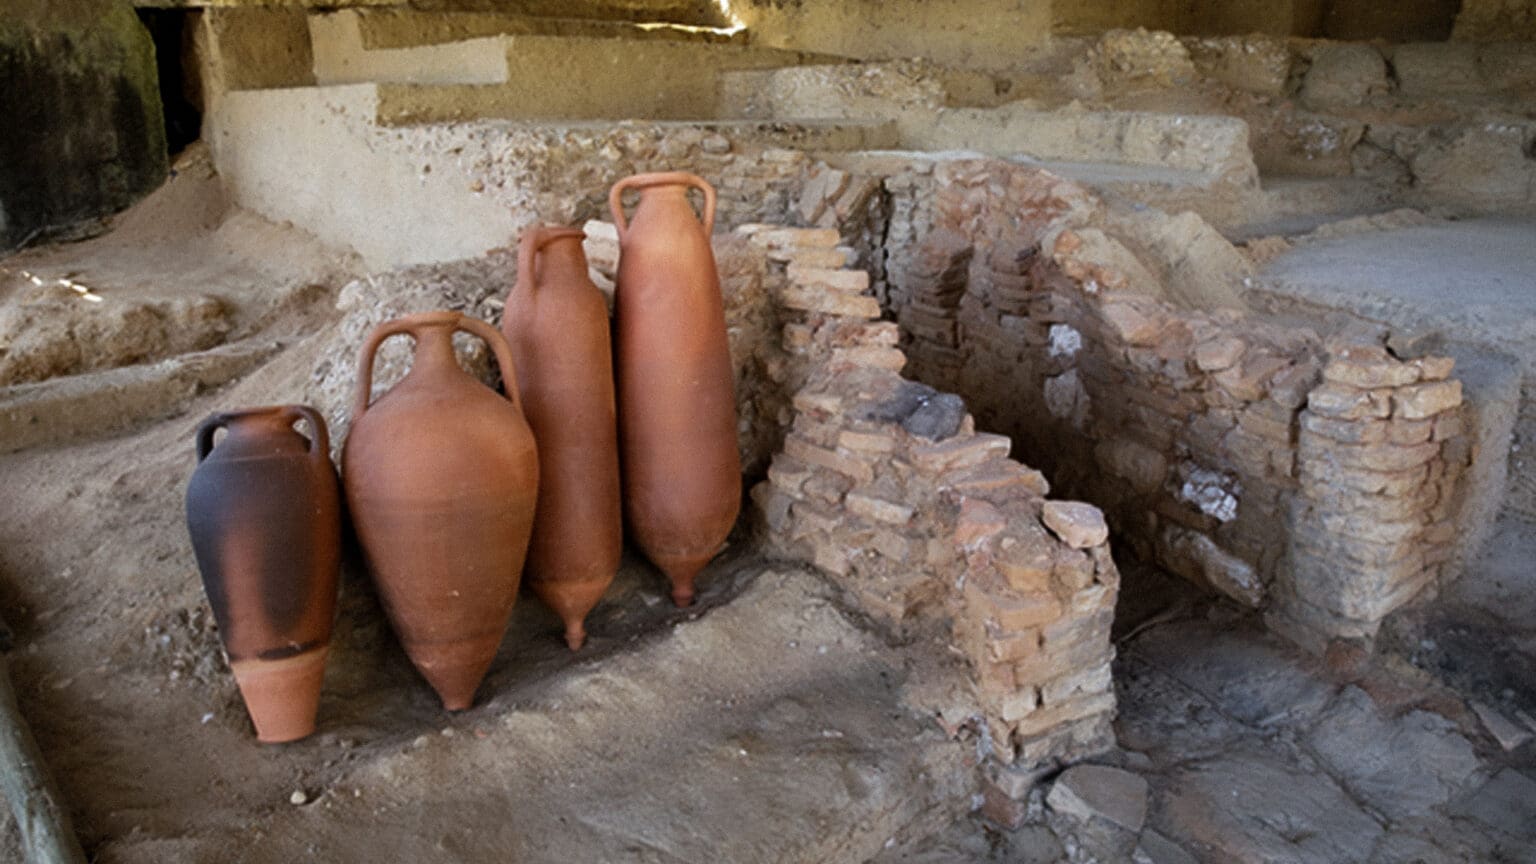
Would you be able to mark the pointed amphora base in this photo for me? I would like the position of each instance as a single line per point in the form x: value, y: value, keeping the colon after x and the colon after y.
x: 454, y: 669
x: 282, y: 696
x: 681, y: 570
x: 572, y: 601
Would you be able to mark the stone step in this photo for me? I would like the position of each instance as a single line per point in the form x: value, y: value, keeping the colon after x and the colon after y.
x: 99, y: 404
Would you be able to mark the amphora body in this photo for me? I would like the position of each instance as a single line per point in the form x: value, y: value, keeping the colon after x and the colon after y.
x: 677, y: 406
x: 441, y: 476
x: 264, y: 513
x: 556, y: 323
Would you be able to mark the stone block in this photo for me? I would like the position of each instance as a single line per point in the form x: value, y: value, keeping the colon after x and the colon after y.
x: 1343, y: 402
x: 1435, y: 368
x: 1025, y: 567
x: 1009, y: 611
x: 1345, y: 431
x: 1078, y: 524
x: 866, y: 442
x: 1369, y: 367
x: 1426, y: 400
x: 997, y: 475
x: 1096, y: 679
x: 997, y: 806
x: 1049, y: 717
x: 1133, y: 324
x: 869, y: 357
x: 1087, y: 792
x: 830, y: 302
x: 1012, y: 647
x: 830, y: 279
x: 1371, y: 457
x: 977, y: 523
x: 1409, y: 432
x: 877, y: 509
x: 1216, y: 354
x: 1072, y: 568
x: 830, y: 459
x: 1448, y: 425
x: 958, y: 452
x: 811, y: 402
x: 1019, y: 704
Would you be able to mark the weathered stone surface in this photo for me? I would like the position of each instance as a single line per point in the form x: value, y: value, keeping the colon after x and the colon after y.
x: 1247, y: 805
x: 1222, y: 352
x: 877, y: 509
x: 1079, y: 525
x: 1364, y: 746
x: 1099, y: 791
x: 1505, y: 731
x: 937, y: 418
x: 1154, y: 848
x: 1426, y: 400
x: 1348, y: 403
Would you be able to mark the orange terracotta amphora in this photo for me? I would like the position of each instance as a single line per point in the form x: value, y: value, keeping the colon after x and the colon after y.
x: 441, y: 475
x: 556, y: 323
x: 264, y: 513
x: 677, y: 404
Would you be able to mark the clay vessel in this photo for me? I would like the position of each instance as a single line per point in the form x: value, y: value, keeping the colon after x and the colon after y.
x: 677, y: 407
x: 441, y: 475
x: 556, y: 323
x: 264, y: 513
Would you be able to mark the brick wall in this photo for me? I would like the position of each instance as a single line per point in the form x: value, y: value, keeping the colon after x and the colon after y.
x: 1210, y: 438
x: 885, y: 485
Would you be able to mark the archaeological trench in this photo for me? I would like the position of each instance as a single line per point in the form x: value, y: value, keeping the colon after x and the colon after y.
x: 1134, y: 401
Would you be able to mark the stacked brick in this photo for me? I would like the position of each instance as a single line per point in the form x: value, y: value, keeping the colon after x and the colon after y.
x: 927, y: 525
x: 1381, y: 452
x: 1186, y: 426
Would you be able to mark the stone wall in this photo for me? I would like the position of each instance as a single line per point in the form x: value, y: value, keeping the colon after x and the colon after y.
x: 933, y: 532
x: 1222, y: 446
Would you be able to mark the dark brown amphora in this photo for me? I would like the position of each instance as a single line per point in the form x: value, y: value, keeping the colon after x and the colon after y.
x: 556, y: 323
x: 441, y: 475
x: 264, y: 513
x: 677, y: 405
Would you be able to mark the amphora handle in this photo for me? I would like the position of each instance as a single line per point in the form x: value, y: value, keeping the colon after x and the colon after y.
x: 319, y: 439
x: 532, y: 242
x: 669, y: 178
x: 419, y: 323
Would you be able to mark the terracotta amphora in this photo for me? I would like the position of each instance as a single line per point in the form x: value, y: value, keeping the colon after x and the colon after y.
x: 556, y: 323
x: 264, y: 513
x: 677, y: 406
x: 441, y: 475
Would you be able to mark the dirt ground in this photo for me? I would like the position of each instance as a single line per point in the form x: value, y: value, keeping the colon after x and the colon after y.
x: 765, y: 725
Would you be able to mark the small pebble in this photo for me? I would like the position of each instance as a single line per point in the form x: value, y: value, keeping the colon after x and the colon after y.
x: 298, y: 798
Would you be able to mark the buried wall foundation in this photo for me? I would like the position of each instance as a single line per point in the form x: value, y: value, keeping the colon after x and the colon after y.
x: 1314, y: 479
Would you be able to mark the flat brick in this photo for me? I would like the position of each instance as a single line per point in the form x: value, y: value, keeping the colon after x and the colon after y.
x: 1409, y: 432
x: 1426, y: 400
x: 1342, y: 402
x: 867, y: 442
x: 1051, y: 716
x: 1368, y: 368
x: 870, y: 357
x: 1078, y: 524
x: 1345, y: 431
x: 830, y: 459
x: 1020, y: 704
x: 877, y: 509
x: 978, y: 521
x: 959, y: 452
x: 830, y: 302
x: 1435, y: 368
x: 1011, y: 611
x: 815, y: 278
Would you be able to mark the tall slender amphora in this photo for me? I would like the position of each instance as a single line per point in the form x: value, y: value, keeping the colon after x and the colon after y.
x: 264, y: 513
x: 677, y: 406
x: 556, y: 323
x: 441, y: 475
